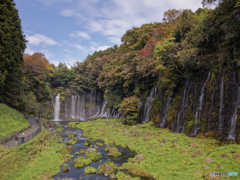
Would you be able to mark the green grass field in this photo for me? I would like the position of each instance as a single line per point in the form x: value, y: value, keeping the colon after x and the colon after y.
x: 10, y: 121
x: 167, y: 155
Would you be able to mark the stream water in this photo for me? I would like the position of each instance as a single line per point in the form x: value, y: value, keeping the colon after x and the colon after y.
x: 79, y: 173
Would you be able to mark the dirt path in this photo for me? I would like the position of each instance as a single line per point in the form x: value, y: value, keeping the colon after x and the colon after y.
x: 34, y: 127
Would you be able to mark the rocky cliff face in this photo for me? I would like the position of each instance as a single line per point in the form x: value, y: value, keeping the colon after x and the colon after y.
x: 205, y: 106
x: 87, y: 105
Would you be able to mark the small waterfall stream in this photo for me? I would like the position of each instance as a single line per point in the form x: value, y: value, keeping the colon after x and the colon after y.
x: 178, y: 125
x: 56, y: 106
x: 232, y: 132
x: 165, y: 111
x: 198, y: 112
x: 146, y: 113
x: 221, y: 101
x: 212, y: 98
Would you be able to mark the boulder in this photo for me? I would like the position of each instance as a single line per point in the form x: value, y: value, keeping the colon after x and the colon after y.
x: 208, y: 160
x: 164, y: 141
x: 205, y: 166
x: 225, y: 156
x: 219, y: 166
x: 107, y: 122
x: 91, y: 149
x: 140, y: 157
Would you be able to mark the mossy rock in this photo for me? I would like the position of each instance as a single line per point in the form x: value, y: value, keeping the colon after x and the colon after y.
x: 81, y: 161
x: 66, y: 167
x: 90, y: 170
x: 120, y: 175
x: 77, y: 153
x: 113, y: 151
x: 99, y: 144
x: 94, y: 156
x: 72, y: 141
x: 63, y: 151
x: 109, y: 168
x: 69, y: 148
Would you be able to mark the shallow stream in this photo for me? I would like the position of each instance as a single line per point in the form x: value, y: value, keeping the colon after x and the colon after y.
x: 79, y: 173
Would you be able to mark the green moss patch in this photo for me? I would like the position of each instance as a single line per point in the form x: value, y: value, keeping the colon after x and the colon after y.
x: 81, y: 161
x: 163, y: 159
x: 90, y: 170
x: 94, y: 156
x: 113, y: 151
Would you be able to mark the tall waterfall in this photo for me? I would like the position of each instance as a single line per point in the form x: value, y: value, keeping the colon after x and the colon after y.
x: 84, y: 106
x: 221, y: 101
x: 233, y: 128
x: 178, y: 125
x: 56, y: 106
x: 198, y: 111
x: 146, y: 113
x: 165, y: 108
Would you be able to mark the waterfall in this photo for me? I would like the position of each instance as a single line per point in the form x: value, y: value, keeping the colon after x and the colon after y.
x: 165, y: 111
x: 183, y: 109
x: 198, y: 112
x: 85, y: 106
x: 221, y: 101
x: 210, y: 117
x: 73, y: 107
x: 146, y: 113
x: 104, y: 113
x: 232, y: 132
x: 56, y: 106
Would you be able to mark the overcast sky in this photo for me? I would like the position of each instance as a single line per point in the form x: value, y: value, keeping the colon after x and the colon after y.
x: 67, y: 31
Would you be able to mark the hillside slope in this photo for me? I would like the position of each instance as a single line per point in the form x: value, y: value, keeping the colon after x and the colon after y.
x: 10, y: 121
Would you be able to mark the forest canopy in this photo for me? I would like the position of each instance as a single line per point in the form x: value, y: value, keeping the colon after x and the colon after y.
x: 161, y: 54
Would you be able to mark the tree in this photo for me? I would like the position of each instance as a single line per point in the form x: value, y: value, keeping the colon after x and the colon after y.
x: 12, y: 40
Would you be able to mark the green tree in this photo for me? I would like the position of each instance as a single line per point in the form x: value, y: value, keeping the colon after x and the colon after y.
x: 12, y: 40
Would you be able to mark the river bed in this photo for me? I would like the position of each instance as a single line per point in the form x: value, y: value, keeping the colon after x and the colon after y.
x: 79, y: 173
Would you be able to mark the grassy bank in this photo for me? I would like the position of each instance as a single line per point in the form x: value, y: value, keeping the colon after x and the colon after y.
x: 166, y: 155
x: 36, y: 159
x: 10, y: 121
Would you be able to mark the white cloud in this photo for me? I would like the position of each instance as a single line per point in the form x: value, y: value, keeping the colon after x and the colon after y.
x: 93, y: 43
x: 114, y: 40
x: 29, y: 51
x: 80, y: 34
x: 78, y: 46
x: 38, y: 39
x: 67, y: 12
x: 67, y: 50
x: 99, y: 48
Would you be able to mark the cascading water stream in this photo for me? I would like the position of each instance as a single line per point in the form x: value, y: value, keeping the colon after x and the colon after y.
x: 232, y: 132
x: 198, y: 112
x: 212, y: 98
x: 183, y: 107
x: 221, y: 101
x: 73, y: 108
x: 56, y: 107
x: 165, y: 111
x: 146, y: 113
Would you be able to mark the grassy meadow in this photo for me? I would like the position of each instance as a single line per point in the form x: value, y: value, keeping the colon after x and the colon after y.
x: 10, y: 121
x: 34, y: 160
x: 166, y: 155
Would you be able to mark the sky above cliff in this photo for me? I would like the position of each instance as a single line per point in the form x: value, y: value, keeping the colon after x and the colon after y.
x: 67, y: 31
